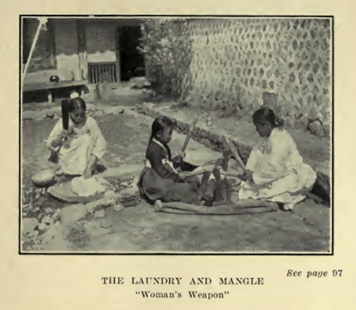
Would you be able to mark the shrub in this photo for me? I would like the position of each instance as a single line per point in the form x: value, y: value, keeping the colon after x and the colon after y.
x: 166, y: 47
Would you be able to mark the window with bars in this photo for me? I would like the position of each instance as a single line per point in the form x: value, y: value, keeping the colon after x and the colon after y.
x: 102, y: 72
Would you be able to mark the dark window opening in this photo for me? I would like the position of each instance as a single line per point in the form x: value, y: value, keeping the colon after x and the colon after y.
x: 131, y: 60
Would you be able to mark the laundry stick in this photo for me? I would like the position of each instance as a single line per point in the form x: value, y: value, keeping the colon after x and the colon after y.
x: 234, y: 151
x: 191, y: 129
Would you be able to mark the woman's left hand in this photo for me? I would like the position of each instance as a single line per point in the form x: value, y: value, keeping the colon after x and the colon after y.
x: 182, y: 154
x: 246, y: 176
x: 179, y: 158
x: 184, y: 174
x: 262, y: 188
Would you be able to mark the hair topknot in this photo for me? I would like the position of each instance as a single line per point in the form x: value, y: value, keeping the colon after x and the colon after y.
x: 159, y: 124
x: 76, y: 103
x: 265, y: 114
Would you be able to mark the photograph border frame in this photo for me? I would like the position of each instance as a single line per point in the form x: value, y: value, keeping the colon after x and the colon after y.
x: 172, y: 253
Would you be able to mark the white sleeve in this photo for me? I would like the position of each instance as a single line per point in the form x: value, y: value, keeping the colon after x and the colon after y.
x: 99, y: 142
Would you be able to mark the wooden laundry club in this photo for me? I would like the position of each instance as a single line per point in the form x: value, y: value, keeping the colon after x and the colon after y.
x: 191, y: 130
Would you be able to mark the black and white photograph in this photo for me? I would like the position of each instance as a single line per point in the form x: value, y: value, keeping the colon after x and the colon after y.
x: 176, y: 135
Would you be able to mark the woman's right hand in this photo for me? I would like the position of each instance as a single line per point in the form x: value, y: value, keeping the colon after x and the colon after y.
x: 246, y: 176
x: 66, y: 139
x: 65, y: 134
x: 182, y: 154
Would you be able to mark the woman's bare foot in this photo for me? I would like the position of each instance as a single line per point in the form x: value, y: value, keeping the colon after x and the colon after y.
x: 209, y: 193
x: 59, y: 172
x: 288, y: 206
x: 158, y: 205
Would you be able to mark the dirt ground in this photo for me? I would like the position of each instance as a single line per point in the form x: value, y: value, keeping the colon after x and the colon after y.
x: 140, y: 228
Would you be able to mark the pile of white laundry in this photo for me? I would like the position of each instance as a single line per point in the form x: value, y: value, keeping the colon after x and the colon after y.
x: 88, y: 187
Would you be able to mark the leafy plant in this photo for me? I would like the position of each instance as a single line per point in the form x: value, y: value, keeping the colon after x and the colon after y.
x: 166, y: 47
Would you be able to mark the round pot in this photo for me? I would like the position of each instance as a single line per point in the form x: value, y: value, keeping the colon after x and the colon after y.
x: 43, y: 178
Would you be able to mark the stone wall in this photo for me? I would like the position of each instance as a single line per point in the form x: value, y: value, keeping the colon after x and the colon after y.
x: 239, y: 64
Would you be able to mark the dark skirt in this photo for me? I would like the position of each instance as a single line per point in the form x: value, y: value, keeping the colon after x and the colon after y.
x: 153, y: 187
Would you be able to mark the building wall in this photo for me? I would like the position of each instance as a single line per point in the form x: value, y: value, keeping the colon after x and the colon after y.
x: 66, y: 52
x: 237, y: 63
x: 67, y: 49
x: 100, y: 47
x: 101, y: 38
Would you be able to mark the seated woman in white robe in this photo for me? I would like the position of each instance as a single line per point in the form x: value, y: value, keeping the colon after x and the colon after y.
x: 81, y: 146
x: 275, y: 169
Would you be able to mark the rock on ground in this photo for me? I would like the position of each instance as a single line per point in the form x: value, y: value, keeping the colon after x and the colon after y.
x: 129, y: 197
x: 48, y: 210
x: 42, y: 227
x: 106, y: 223
x: 139, y: 82
x: 55, y: 231
x: 46, y: 220
x: 110, y: 194
x: 27, y: 115
x: 29, y: 224
x: 102, y: 203
x: 100, y: 213
x: 56, y: 216
x: 72, y: 213
x: 33, y: 234
x: 118, y: 207
x: 50, y: 113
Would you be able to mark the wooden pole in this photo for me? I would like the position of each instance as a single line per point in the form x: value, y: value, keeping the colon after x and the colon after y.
x: 191, y: 129
x: 32, y: 49
x: 234, y: 151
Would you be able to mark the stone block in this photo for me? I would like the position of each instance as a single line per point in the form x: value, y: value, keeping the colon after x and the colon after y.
x: 50, y: 113
x: 28, y: 115
x: 313, y: 114
x: 72, y: 213
x: 270, y: 99
x: 316, y: 128
x: 29, y: 224
x: 327, y: 130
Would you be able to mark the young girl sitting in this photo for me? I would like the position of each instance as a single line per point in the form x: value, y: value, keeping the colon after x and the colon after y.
x: 160, y: 180
x: 81, y: 146
x: 276, y: 171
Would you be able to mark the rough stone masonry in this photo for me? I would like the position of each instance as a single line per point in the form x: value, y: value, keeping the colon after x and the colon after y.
x: 234, y: 61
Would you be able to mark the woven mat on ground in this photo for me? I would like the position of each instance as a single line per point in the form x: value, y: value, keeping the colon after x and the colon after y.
x: 229, y: 208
